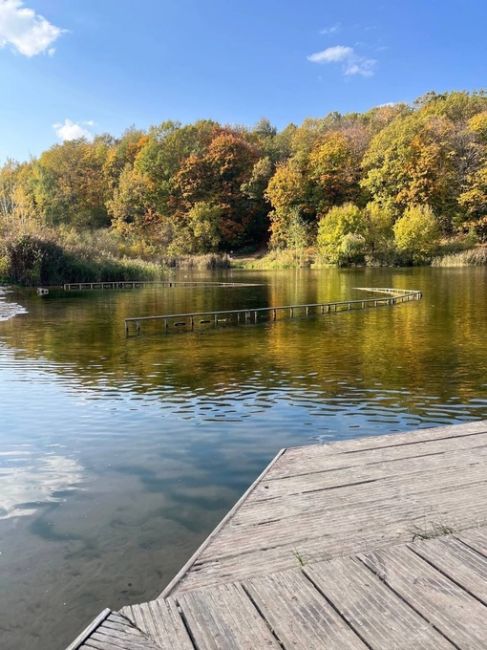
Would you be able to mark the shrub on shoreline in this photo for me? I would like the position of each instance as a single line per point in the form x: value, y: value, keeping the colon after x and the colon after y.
x: 31, y: 260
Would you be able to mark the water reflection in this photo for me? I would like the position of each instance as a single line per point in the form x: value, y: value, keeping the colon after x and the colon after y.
x: 119, y: 456
x: 30, y: 479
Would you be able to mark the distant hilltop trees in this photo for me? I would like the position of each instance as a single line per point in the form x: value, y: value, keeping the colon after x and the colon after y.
x: 384, y: 185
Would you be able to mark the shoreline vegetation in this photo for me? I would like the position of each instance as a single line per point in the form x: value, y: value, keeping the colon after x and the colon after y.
x: 397, y: 185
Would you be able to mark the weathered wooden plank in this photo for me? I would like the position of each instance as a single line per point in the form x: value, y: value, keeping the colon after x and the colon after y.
x: 366, y: 490
x: 375, y: 612
x: 162, y: 622
x: 128, y: 636
x: 458, y: 562
x: 280, y: 555
x: 224, y: 618
x: 91, y: 627
x: 434, y: 506
x: 453, y: 611
x: 318, y: 458
x: 94, y: 644
x: 338, y: 471
x: 116, y: 632
x: 298, y: 613
x: 389, y: 440
x: 109, y: 641
x: 476, y: 538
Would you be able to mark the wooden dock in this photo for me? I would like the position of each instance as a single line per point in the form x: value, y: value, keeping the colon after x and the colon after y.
x: 377, y: 543
x: 189, y: 320
x: 169, y: 284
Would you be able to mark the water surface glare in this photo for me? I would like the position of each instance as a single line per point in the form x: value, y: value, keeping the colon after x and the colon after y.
x: 118, y: 457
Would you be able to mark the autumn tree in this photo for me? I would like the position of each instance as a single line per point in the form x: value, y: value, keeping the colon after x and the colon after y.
x: 287, y: 192
x: 132, y: 200
x: 416, y: 233
x: 69, y: 184
x: 342, y: 235
x: 218, y: 176
x: 334, y: 166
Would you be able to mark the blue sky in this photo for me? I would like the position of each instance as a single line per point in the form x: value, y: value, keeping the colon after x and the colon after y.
x: 90, y: 66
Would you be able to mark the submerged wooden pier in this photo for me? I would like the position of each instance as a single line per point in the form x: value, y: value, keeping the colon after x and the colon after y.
x: 189, y: 320
x: 169, y: 284
x: 376, y: 543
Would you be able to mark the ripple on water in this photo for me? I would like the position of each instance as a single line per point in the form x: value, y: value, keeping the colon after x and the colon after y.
x: 126, y: 453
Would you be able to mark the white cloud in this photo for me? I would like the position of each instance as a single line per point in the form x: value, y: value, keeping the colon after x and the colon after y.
x: 332, y: 54
x: 332, y: 29
x: 29, y: 33
x: 352, y: 63
x: 69, y: 130
x: 362, y: 66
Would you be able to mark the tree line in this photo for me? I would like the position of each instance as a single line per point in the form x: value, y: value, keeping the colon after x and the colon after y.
x: 383, y: 186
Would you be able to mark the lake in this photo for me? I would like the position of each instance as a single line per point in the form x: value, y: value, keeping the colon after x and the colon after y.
x: 118, y: 456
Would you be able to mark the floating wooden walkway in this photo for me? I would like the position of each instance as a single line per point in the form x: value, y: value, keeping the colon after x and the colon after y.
x: 188, y: 321
x: 84, y: 286
x: 378, y: 543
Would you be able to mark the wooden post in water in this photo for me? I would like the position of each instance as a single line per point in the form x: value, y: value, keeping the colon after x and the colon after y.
x: 252, y: 315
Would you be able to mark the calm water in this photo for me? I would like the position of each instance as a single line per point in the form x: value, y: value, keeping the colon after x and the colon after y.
x: 117, y: 457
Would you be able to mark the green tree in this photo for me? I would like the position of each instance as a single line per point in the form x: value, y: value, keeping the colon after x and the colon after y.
x: 297, y: 235
x: 69, y: 184
x: 132, y: 200
x: 380, y: 217
x: 342, y: 235
x: 204, y: 224
x: 416, y: 234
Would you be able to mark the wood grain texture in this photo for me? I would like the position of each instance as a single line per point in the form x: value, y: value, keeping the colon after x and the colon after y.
x: 162, y: 622
x: 335, y: 471
x: 476, y: 538
x: 298, y: 613
x: 224, y: 618
x: 352, y: 453
x: 116, y: 632
x: 457, y: 561
x: 460, y: 617
x: 374, y: 611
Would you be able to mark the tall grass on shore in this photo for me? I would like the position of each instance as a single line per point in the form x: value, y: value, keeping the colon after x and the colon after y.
x: 34, y: 258
x: 470, y: 257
